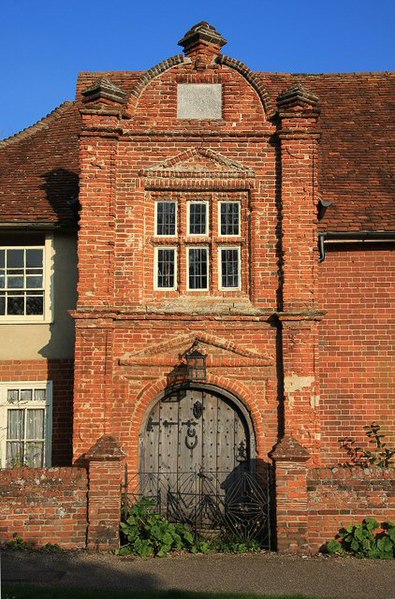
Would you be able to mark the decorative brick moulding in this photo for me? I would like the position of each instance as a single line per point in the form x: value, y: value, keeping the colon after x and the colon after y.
x: 217, y: 208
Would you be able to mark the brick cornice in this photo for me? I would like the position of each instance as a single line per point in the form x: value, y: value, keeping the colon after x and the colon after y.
x: 300, y: 316
x: 184, y: 183
x: 196, y: 135
x: 93, y: 317
x: 291, y: 134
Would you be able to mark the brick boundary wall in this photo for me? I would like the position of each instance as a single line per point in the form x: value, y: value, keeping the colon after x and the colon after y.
x: 340, y: 496
x: 75, y: 507
x: 44, y: 505
x: 79, y: 507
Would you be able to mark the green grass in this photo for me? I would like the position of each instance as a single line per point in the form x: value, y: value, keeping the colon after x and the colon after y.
x: 32, y: 592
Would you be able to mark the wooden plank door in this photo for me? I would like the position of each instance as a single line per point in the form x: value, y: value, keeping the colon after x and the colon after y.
x: 202, y: 432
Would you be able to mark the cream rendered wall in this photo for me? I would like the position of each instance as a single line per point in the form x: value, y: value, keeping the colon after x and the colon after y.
x: 56, y: 340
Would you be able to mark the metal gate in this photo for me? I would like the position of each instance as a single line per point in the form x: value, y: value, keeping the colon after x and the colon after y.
x: 196, y: 462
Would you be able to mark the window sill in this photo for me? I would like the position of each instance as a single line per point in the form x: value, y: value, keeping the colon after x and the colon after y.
x: 25, y: 320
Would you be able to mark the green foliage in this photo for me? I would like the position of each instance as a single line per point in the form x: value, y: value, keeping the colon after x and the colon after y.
x: 19, y: 544
x: 227, y: 544
x: 148, y: 533
x: 365, y: 540
x: 380, y: 455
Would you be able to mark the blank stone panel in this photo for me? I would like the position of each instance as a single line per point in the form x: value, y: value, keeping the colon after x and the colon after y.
x: 199, y: 101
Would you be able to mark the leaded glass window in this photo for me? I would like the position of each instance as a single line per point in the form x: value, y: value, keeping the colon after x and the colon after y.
x: 198, y: 218
x: 198, y: 268
x: 166, y: 215
x: 230, y: 268
x: 166, y: 268
x: 229, y: 218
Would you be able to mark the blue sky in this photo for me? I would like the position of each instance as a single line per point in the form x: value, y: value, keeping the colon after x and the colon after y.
x: 45, y: 43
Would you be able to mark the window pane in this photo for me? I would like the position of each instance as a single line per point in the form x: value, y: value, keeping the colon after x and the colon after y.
x: 34, y: 304
x: 12, y: 395
x: 40, y: 394
x: 197, y: 218
x: 230, y: 268
x: 166, y: 269
x: 198, y: 268
x: 15, y: 424
x: 34, y: 282
x: 34, y: 454
x: 2, y: 279
x: 166, y: 218
x: 230, y: 224
x: 15, y: 258
x: 2, y: 258
x: 35, y: 424
x: 34, y: 258
x: 26, y: 394
x: 15, y: 282
x: 2, y: 304
x: 14, y: 455
x: 15, y: 305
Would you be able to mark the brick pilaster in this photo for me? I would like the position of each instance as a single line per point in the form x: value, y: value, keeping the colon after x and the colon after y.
x: 299, y: 313
x: 98, y: 167
x: 291, y: 495
x: 298, y: 134
x: 104, y: 497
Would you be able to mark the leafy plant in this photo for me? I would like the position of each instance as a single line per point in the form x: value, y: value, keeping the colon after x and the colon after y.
x: 226, y: 544
x: 148, y: 533
x: 18, y: 544
x: 365, y: 540
x: 380, y: 456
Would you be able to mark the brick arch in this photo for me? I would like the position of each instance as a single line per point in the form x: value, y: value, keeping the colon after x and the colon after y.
x: 158, y: 69
x: 252, y: 79
x: 152, y: 392
x: 237, y: 65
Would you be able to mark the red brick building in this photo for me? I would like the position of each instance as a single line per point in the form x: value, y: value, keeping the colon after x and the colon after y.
x: 246, y: 215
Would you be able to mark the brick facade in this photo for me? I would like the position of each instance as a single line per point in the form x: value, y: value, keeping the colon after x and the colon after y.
x: 305, y: 346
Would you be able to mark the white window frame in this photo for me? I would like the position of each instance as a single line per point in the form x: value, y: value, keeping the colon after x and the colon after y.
x: 206, y: 203
x: 219, y: 217
x: 47, y: 316
x: 164, y: 201
x: 198, y: 247
x: 156, y: 286
x: 220, y: 250
x: 46, y: 405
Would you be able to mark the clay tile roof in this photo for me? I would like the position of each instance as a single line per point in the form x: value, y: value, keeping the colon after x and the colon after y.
x: 39, y: 170
x: 39, y: 166
x: 357, y: 147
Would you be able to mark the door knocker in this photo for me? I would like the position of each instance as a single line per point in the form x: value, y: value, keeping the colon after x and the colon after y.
x: 191, y: 439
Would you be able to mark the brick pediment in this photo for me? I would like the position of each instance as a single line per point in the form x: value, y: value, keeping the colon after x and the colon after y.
x: 216, y: 348
x: 202, y: 162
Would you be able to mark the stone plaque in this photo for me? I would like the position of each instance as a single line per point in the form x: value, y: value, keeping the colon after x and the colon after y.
x: 199, y: 101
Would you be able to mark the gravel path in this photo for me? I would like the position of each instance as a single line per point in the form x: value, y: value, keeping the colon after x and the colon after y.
x: 255, y: 573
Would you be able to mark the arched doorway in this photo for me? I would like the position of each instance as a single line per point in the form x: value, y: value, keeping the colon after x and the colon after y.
x: 197, y: 459
x: 196, y: 429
